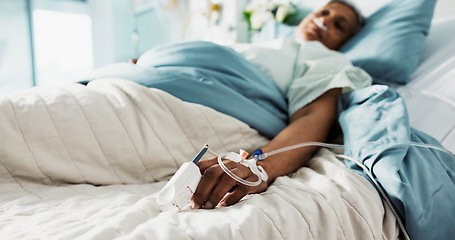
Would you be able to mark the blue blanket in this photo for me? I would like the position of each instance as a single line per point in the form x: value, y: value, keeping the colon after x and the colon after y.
x: 213, y: 76
x: 419, y: 181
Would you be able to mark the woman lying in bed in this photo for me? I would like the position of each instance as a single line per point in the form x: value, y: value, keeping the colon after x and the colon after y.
x: 300, y: 103
x: 312, y: 114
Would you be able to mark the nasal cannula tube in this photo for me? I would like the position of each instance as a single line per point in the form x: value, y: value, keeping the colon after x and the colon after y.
x: 319, y: 24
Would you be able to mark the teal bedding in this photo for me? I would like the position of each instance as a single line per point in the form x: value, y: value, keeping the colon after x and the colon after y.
x: 219, y: 78
x: 420, y: 182
x: 214, y: 76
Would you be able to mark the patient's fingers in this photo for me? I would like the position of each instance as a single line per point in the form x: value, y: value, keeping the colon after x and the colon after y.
x: 208, y: 181
x: 215, y: 184
x: 206, y: 163
x: 241, y: 191
x: 210, y: 178
x: 224, y: 185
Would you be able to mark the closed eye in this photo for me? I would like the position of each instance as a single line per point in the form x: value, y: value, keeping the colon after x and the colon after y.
x: 323, y: 12
x: 339, y: 26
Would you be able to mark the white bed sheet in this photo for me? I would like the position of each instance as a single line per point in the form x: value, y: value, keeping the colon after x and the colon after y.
x: 134, y: 138
x: 430, y: 96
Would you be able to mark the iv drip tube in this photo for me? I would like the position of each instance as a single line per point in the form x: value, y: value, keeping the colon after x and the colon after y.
x: 261, y: 174
x: 259, y: 170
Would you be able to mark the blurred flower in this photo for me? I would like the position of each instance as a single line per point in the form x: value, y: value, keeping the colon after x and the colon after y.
x: 259, y: 18
x: 259, y: 12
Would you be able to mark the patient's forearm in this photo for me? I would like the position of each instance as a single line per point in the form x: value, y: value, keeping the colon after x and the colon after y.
x: 312, y: 123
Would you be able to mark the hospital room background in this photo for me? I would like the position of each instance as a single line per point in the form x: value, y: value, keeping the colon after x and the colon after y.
x: 91, y: 161
x: 52, y: 42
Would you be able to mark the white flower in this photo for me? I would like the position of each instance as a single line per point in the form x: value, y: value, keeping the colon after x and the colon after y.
x: 259, y: 12
x: 258, y: 19
x: 283, y: 12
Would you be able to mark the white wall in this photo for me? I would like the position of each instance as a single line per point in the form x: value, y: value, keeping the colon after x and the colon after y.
x: 15, y: 61
x: 111, y: 31
x: 124, y: 29
x: 444, y: 8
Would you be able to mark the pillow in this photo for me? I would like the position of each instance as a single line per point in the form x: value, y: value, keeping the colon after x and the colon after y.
x: 390, y: 44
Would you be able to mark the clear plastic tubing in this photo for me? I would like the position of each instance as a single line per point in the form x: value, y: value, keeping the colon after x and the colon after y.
x: 319, y: 24
x: 333, y: 146
x: 306, y: 144
x: 328, y: 145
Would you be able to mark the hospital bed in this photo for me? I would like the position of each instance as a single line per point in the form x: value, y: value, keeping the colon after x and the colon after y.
x: 87, y: 162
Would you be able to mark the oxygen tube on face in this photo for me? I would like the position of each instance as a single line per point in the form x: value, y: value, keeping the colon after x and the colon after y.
x: 319, y: 24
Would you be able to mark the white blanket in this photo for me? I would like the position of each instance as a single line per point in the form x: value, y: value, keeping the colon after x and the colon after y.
x: 87, y: 162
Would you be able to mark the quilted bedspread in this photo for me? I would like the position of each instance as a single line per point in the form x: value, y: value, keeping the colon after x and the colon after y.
x: 86, y: 162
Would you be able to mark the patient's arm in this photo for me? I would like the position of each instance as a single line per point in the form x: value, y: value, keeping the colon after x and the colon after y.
x: 311, y: 123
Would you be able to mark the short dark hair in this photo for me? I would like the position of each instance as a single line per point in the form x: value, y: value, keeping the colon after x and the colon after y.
x: 360, y: 18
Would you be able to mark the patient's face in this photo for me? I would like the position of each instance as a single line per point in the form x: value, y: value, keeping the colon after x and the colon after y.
x: 332, y: 25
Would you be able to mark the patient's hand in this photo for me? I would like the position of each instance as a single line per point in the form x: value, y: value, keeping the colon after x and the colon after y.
x: 215, y: 184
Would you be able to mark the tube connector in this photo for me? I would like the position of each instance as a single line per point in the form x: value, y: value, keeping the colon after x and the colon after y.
x: 250, y: 163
